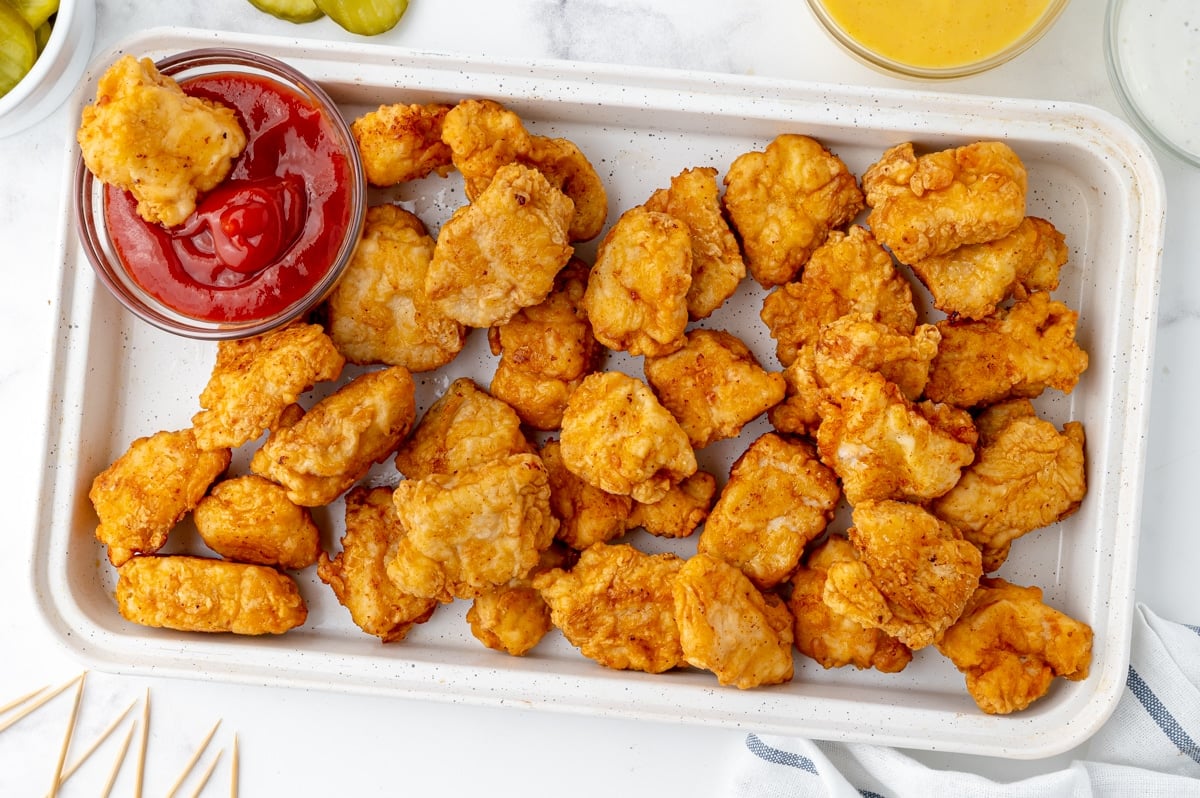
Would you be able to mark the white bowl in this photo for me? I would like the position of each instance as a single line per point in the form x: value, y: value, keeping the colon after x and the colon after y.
x: 56, y: 71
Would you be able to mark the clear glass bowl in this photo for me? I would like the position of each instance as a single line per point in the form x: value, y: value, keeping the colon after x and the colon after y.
x: 99, y: 248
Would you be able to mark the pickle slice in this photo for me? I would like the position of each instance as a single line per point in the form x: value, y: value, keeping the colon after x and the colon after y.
x: 291, y: 10
x: 35, y: 12
x: 364, y: 17
x: 18, y: 47
x: 42, y: 35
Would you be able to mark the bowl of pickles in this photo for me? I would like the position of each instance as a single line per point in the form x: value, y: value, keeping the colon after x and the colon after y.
x: 44, y: 47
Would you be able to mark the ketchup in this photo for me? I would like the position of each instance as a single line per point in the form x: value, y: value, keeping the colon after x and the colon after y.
x: 267, y: 234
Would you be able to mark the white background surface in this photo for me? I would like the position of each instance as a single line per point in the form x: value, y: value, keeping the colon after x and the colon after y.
x: 309, y: 743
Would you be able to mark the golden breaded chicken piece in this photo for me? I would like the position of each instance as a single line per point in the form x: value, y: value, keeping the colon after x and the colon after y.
x: 402, y: 142
x: 800, y: 411
x: 849, y: 273
x: 616, y: 605
x: 829, y: 637
x: 334, y: 445
x: 913, y: 577
x: 465, y: 427
x: 585, y: 513
x: 617, y: 437
x: 971, y: 281
x: 727, y: 626
x: 514, y: 618
x: 569, y: 170
x: 680, y: 512
x: 784, y: 201
x: 500, y: 253
x: 358, y: 573
x: 144, y: 135
x: 483, y: 526
x: 255, y: 379
x: 926, y: 206
x: 1011, y: 645
x: 1027, y: 475
x: 145, y: 492
x: 545, y: 351
x: 717, y: 265
x: 636, y: 296
x: 714, y: 386
x: 858, y: 342
x: 196, y: 594
x: 883, y: 446
x: 251, y: 519
x: 378, y: 312
x: 779, y: 497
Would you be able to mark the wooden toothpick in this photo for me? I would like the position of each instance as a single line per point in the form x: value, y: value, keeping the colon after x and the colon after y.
x: 208, y: 773
x: 62, y: 755
x: 141, y: 763
x: 16, y: 702
x: 38, y: 704
x: 91, y: 749
x: 192, y: 762
x: 112, y: 779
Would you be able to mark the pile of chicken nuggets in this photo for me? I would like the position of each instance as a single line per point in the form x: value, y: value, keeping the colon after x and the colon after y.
x: 518, y: 496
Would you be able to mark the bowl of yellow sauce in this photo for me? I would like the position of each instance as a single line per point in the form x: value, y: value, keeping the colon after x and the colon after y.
x: 936, y: 38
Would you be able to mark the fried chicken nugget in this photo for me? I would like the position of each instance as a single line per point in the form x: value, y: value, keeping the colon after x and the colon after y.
x: 617, y: 606
x: 500, y: 253
x: 1010, y: 645
x: 334, y: 445
x: 569, y: 170
x: 586, y: 514
x: 144, y: 135
x: 378, y: 312
x: 251, y: 519
x: 514, y: 618
x: 400, y: 142
x: 883, y: 446
x: 145, y: 492
x: 717, y: 265
x: 1016, y: 354
x: 195, y: 594
x: 784, y: 201
x: 1027, y: 475
x: 545, y: 351
x: 829, y: 637
x: 713, y: 386
x: 358, y: 573
x: 680, y: 512
x: 727, y: 626
x: 636, y: 297
x: 779, y: 497
x: 926, y: 206
x: 913, y: 577
x: 617, y: 437
x: 255, y: 379
x: 858, y: 342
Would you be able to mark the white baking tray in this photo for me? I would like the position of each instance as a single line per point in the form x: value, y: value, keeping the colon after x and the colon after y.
x: 116, y: 379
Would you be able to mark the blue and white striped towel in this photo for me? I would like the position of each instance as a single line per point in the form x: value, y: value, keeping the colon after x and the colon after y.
x: 1149, y: 747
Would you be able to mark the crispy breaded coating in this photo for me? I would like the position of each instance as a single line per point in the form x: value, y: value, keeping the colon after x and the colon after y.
x: 713, y: 385
x: 465, y: 427
x: 250, y: 519
x: 829, y: 637
x: 858, y: 342
x: 800, y: 411
x: 402, y: 142
x: 849, y: 273
x: 255, y: 379
x: 926, y: 206
x: 680, y: 512
x: 1017, y: 353
x: 145, y: 135
x: 1011, y: 645
x: 617, y: 437
x: 1027, y: 475
x: 913, y: 577
x: 784, y: 201
x: 378, y: 312
x: 883, y: 446
x: 717, y: 265
x: 545, y: 351
x: 636, y: 297
x: 196, y: 594
x: 334, y: 445
x: 616, y: 605
x: 779, y: 497
x: 971, y: 281
x: 569, y: 170
x: 500, y: 253
x: 586, y: 514
x: 514, y: 618
x: 730, y: 628
x: 483, y: 526
x: 358, y: 573
x: 145, y: 492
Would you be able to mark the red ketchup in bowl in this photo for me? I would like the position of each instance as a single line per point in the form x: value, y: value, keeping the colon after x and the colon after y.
x: 264, y: 237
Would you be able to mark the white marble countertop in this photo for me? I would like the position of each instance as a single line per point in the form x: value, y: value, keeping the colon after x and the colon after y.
x: 310, y: 743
